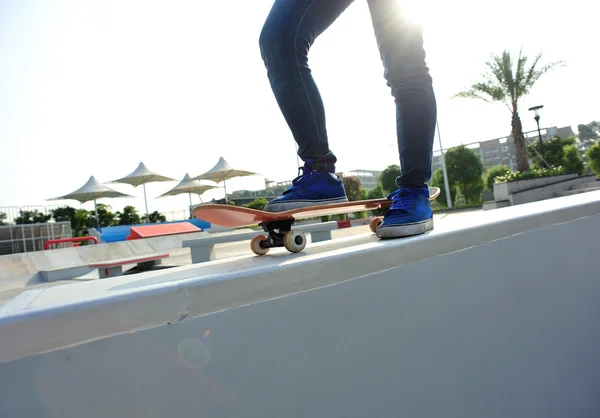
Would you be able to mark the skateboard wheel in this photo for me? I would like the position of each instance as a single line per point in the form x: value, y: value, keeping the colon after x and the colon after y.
x: 294, y: 241
x: 374, y: 224
x: 255, y: 245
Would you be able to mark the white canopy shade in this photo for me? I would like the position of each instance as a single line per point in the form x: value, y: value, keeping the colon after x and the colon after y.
x: 140, y: 176
x: 92, y: 190
x: 221, y: 172
x: 189, y: 186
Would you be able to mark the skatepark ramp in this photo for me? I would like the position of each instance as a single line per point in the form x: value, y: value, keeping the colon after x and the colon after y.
x: 496, y: 316
x: 20, y: 270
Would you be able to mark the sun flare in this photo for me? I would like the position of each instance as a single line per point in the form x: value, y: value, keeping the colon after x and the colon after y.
x: 417, y: 11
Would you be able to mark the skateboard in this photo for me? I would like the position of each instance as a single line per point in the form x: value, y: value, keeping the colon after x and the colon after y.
x: 278, y: 225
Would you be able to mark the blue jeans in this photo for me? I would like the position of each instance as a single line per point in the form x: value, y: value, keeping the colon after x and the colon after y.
x: 287, y: 35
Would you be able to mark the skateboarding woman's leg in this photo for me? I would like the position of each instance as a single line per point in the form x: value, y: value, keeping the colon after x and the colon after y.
x: 285, y: 40
x: 400, y: 43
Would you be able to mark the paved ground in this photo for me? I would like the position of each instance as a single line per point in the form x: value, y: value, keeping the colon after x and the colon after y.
x: 234, y: 249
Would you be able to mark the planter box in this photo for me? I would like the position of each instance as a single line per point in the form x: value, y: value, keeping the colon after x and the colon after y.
x: 502, y: 191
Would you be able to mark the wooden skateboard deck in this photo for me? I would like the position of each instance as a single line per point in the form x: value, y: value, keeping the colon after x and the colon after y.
x: 235, y: 216
x: 278, y: 225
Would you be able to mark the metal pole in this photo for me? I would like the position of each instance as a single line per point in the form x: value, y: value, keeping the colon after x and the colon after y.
x: 446, y: 183
x: 297, y: 157
x: 23, y: 236
x: 146, y: 201
x: 96, y: 210
x: 537, y: 119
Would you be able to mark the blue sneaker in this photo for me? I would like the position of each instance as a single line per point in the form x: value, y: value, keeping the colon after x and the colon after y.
x: 409, y: 214
x: 310, y: 189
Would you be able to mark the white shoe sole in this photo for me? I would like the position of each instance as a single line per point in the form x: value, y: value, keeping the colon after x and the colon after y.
x: 297, y: 204
x: 405, y: 230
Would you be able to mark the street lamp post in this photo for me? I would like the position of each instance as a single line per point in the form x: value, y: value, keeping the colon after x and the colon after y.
x: 446, y: 183
x: 537, y: 120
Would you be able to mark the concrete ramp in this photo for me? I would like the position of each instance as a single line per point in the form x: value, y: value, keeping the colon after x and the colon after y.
x: 22, y: 270
x: 497, y: 317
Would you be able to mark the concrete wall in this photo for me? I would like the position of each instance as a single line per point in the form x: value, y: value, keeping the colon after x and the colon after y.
x: 549, y: 191
x: 532, y: 190
x: 502, y: 191
x: 494, y: 318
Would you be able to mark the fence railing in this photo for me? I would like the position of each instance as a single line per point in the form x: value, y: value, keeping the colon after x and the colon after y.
x: 16, y: 239
x: 69, y: 240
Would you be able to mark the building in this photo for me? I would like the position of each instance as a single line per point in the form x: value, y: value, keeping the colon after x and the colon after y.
x: 368, y: 178
x: 277, y: 184
x: 501, y: 151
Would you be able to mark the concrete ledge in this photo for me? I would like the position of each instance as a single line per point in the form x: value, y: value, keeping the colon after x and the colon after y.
x: 499, y: 313
x: 114, y: 268
x: 532, y: 190
x: 502, y: 191
x: 548, y: 191
x: 496, y: 204
x: 20, y: 302
x: 70, y: 314
x: 63, y: 273
x: 320, y: 231
x: 203, y: 249
x: 578, y: 190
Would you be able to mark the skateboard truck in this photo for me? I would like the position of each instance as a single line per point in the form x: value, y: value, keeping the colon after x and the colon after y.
x: 280, y: 234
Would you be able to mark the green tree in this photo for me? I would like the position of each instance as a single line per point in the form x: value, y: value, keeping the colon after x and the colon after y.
x: 572, y: 162
x: 105, y: 216
x: 79, y: 219
x: 81, y: 222
x: 437, y: 180
x: 3, y: 219
x: 593, y: 155
x: 558, y: 152
x: 376, y: 193
x: 387, y: 179
x: 155, y: 217
x: 258, y: 203
x: 223, y: 202
x: 464, y: 169
x: 27, y: 217
x: 63, y: 214
x: 353, y: 188
x: 129, y: 216
x: 474, y: 190
x: 494, y: 172
x: 278, y: 190
x: 588, y: 134
x: 507, y: 82
x: 554, y: 151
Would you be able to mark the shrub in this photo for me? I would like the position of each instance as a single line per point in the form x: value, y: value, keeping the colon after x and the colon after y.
x: 535, y: 173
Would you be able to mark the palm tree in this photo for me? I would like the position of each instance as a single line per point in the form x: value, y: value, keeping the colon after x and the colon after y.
x: 505, y: 84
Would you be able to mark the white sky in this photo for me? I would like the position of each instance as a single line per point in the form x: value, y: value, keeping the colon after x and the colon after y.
x: 93, y: 88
